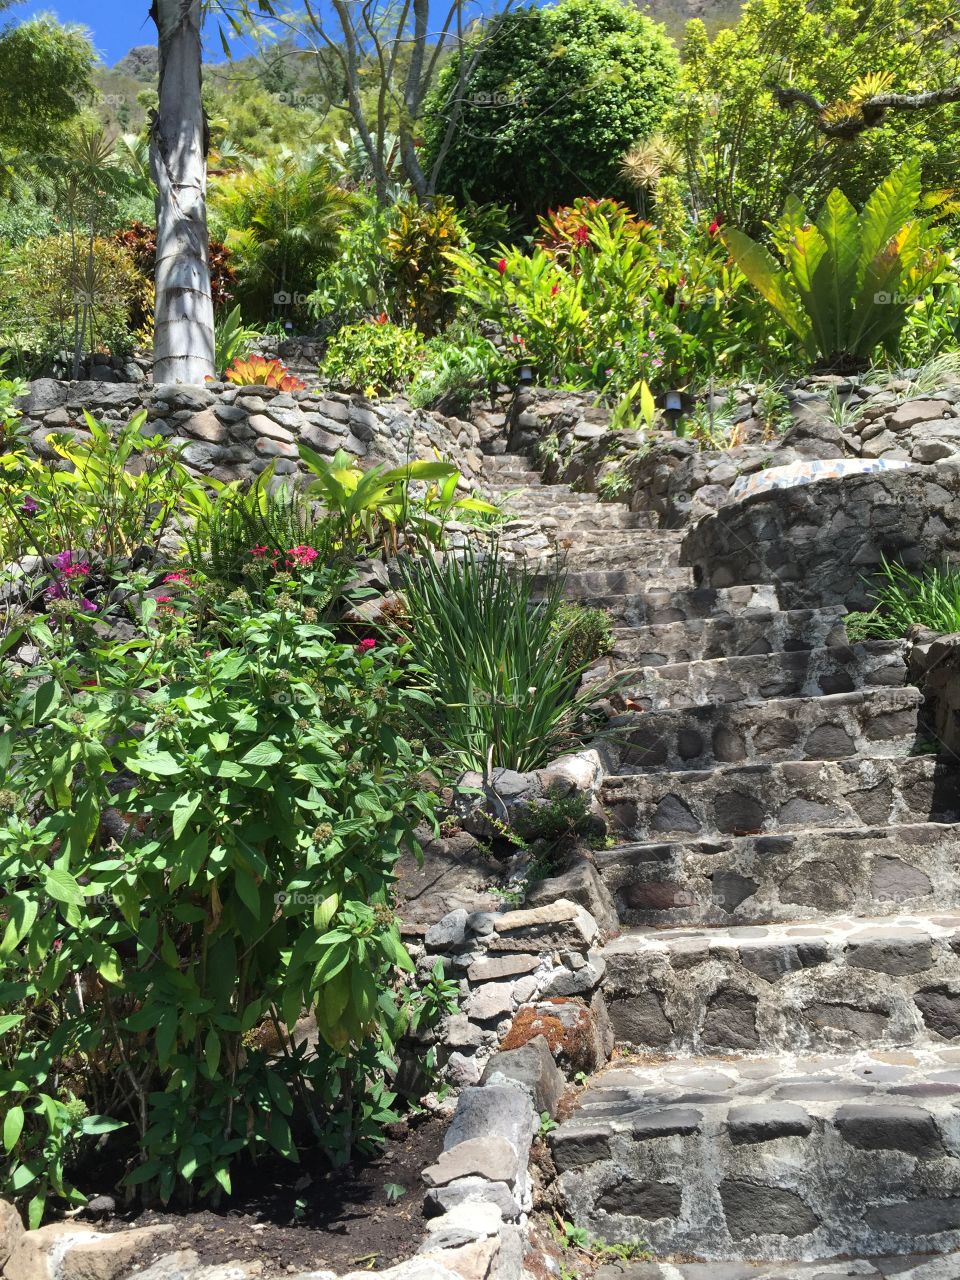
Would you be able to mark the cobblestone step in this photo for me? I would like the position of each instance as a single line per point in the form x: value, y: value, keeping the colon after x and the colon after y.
x: 540, y: 497
x: 640, y: 558
x: 911, y: 1266
x: 874, y: 721
x: 761, y: 798
x: 787, y: 876
x: 779, y: 1157
x: 699, y: 639
x: 586, y: 585
x: 836, y: 982
x: 576, y: 515
x: 656, y: 606
x: 719, y: 682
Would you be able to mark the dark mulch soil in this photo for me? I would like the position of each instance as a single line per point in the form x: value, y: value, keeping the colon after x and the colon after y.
x: 307, y: 1218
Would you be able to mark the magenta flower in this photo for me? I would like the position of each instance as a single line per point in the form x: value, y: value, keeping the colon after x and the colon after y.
x: 88, y: 606
x: 30, y: 506
x: 366, y: 645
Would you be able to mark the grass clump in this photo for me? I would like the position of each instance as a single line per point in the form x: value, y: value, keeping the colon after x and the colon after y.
x: 904, y: 599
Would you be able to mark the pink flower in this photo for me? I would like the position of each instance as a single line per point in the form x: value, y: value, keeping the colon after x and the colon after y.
x: 259, y: 552
x: 79, y: 570
x: 163, y: 599
x: 57, y: 944
x: 366, y: 645
x: 301, y: 557
x: 502, y: 266
x: 178, y: 576
x: 88, y: 606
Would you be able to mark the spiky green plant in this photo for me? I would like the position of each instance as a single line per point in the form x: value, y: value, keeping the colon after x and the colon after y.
x: 904, y: 599
x: 495, y: 667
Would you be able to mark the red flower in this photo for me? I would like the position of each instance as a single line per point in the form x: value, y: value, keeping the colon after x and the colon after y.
x: 554, y: 291
x: 381, y: 318
x: 163, y: 599
x: 179, y: 577
x: 581, y: 236
x: 259, y: 552
x: 715, y: 226
x: 502, y: 266
x: 366, y: 645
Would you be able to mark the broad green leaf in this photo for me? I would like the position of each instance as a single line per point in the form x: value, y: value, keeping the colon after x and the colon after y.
x: 771, y: 282
x: 211, y: 1051
x: 887, y: 209
x: 62, y: 886
x: 263, y: 755
x: 12, y: 1127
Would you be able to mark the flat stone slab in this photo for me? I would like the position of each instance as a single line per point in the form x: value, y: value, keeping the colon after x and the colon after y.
x: 766, y: 1157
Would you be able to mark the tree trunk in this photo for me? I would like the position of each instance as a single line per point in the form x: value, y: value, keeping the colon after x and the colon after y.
x: 183, y: 331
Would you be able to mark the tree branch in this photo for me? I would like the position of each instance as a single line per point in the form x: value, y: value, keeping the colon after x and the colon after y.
x: 869, y: 113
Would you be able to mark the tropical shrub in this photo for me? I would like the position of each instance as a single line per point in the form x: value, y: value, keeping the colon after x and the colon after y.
x: 232, y: 340
x: 374, y: 356
x: 199, y: 827
x: 376, y: 507
x: 280, y: 220
x: 550, y: 102
x: 354, y: 283
x: 904, y: 599
x: 61, y: 294
x: 494, y: 663
x: 848, y: 279
x: 10, y: 390
x: 457, y: 365
x: 258, y: 371
x: 587, y: 634
x: 246, y: 535
x: 117, y: 500
x: 419, y: 272
x: 744, y: 156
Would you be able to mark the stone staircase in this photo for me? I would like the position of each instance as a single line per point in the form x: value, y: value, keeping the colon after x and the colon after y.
x: 785, y: 988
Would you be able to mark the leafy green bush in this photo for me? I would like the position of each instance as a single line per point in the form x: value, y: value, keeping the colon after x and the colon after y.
x: 59, y: 296
x: 456, y: 366
x: 905, y: 599
x: 494, y: 664
x: 587, y: 634
x: 849, y: 279
x: 198, y: 832
x: 374, y: 357
x: 744, y: 156
x: 551, y: 100
x: 118, y: 501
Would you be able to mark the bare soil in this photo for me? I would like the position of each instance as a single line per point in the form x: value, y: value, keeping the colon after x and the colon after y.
x: 307, y: 1217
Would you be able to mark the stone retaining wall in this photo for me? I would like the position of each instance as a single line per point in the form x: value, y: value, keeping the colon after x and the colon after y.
x: 819, y: 543
x: 234, y: 433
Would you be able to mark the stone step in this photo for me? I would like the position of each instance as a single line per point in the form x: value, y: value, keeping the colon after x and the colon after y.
x: 495, y: 462
x: 504, y: 477
x: 760, y: 798
x: 664, y: 605
x: 575, y: 515
x: 779, y: 1157
x: 636, y: 559
x: 540, y: 497
x: 755, y: 677
x: 589, y: 584
x: 873, y: 722
x: 869, y: 871
x: 837, y: 982
x: 912, y: 1266
x: 700, y: 639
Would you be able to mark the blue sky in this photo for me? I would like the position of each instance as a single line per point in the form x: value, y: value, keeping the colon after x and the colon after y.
x: 117, y: 25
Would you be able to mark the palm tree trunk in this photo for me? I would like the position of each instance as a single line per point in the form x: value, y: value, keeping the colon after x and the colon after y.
x: 183, y: 330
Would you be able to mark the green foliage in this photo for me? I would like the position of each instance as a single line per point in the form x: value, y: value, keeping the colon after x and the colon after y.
x: 559, y: 816
x: 354, y: 284
x: 280, y: 220
x: 376, y: 507
x: 587, y: 634
x: 232, y: 340
x: 117, y: 499
x: 374, y: 357
x: 10, y: 390
x: 849, y: 279
x: 493, y: 663
x: 905, y: 599
x: 419, y: 273
x: 553, y: 98
x: 456, y: 366
x: 59, y: 293
x: 199, y: 827
x: 745, y: 156
x: 45, y: 79
x: 247, y: 535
